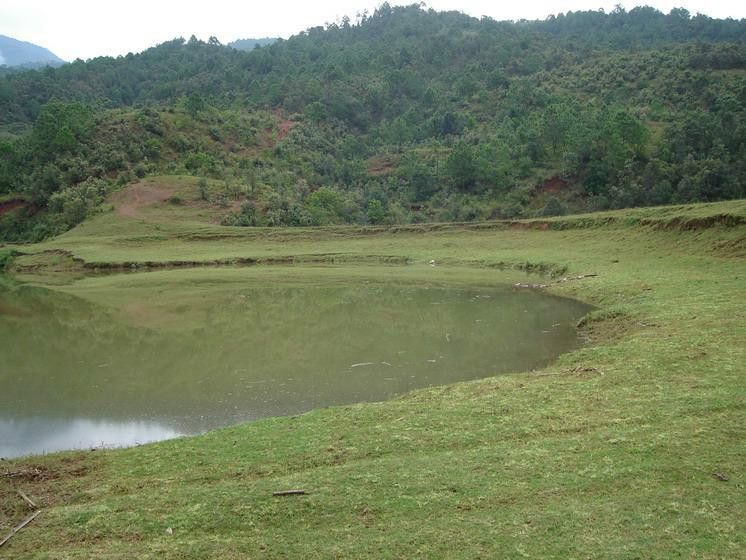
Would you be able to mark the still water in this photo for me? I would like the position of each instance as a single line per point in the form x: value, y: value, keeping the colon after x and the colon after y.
x: 132, y: 363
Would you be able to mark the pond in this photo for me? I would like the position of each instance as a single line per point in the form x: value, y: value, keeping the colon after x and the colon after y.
x: 149, y: 356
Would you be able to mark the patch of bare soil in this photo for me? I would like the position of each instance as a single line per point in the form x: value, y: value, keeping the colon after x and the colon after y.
x: 47, y: 485
x: 553, y: 185
x: 130, y: 201
x: 284, y: 128
x: 9, y: 205
x: 381, y: 165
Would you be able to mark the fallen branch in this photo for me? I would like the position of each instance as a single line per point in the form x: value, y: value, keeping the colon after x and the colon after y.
x: 580, y: 277
x: 20, y: 526
x: 289, y: 493
x: 10, y: 474
x: 26, y: 499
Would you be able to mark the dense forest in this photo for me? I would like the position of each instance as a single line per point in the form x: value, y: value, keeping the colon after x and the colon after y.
x: 404, y: 115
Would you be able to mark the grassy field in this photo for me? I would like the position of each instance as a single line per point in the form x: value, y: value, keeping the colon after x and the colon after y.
x: 631, y: 447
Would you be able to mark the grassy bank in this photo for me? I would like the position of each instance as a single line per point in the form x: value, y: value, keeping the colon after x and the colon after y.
x: 632, y: 447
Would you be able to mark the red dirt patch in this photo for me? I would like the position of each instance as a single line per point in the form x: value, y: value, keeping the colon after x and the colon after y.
x: 284, y: 128
x: 130, y: 201
x: 9, y: 205
x: 553, y: 185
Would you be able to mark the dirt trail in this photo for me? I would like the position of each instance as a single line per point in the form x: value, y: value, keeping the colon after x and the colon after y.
x: 130, y: 201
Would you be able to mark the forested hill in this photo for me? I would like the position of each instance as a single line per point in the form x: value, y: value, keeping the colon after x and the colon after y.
x: 438, y: 49
x: 14, y: 53
x: 405, y: 115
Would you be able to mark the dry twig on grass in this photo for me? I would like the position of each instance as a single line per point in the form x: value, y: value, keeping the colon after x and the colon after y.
x: 289, y: 493
x: 20, y: 526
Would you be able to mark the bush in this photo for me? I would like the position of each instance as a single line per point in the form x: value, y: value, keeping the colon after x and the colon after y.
x: 202, y: 188
x: 553, y: 207
x: 376, y: 211
x: 326, y: 206
x: 248, y: 216
x: 75, y: 204
x: 6, y: 255
x: 202, y: 162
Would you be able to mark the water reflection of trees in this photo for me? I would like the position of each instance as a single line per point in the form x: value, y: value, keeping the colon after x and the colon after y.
x: 242, y: 352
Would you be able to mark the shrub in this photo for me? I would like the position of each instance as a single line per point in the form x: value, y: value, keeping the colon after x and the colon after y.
x: 553, y: 207
x: 248, y: 216
x: 75, y: 203
x: 6, y: 255
x: 202, y: 188
x: 376, y: 211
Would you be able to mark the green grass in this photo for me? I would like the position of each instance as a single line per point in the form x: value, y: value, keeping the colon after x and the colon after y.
x: 188, y: 233
x: 612, y: 452
x: 6, y: 255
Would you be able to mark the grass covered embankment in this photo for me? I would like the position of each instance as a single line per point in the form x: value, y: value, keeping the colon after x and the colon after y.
x: 633, y: 447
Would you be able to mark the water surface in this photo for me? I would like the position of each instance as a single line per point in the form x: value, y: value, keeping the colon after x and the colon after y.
x: 144, y: 360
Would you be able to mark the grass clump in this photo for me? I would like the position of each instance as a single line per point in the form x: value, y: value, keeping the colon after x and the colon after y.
x: 6, y: 256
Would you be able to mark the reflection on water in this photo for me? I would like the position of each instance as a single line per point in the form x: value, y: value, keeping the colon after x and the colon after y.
x: 128, y: 365
x: 38, y: 435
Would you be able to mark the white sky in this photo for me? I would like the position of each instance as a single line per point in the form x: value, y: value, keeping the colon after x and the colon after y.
x: 88, y: 28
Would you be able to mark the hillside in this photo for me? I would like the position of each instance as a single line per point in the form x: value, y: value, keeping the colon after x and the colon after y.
x: 404, y: 116
x: 20, y: 53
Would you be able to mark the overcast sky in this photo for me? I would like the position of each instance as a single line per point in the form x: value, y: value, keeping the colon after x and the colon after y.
x: 88, y: 28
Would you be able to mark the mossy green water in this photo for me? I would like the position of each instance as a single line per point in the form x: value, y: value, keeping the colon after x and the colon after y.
x: 632, y: 447
x: 134, y: 358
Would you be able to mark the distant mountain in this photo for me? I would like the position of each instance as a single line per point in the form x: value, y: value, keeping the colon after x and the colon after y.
x: 20, y: 53
x: 250, y: 44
